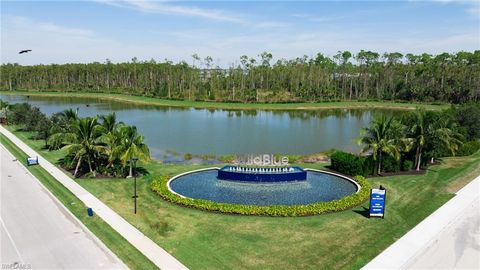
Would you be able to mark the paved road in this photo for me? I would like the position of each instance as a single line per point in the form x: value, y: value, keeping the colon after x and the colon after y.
x: 161, y: 258
x: 38, y: 232
x: 447, y: 239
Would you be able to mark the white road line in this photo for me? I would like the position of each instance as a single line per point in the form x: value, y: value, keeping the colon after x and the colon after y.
x: 11, y: 240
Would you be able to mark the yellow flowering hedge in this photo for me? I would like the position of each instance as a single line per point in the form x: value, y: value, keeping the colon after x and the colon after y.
x: 159, y: 186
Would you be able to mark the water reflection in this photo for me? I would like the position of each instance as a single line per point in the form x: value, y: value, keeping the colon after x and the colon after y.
x: 219, y: 132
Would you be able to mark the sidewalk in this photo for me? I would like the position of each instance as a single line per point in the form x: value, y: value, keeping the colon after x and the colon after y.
x: 447, y: 239
x: 150, y: 249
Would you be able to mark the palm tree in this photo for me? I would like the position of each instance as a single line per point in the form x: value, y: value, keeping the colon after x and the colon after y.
x: 381, y: 137
x: 450, y: 138
x: 429, y: 128
x: 113, y: 141
x: 109, y: 122
x: 132, y: 147
x: 63, y: 124
x: 84, y: 142
x: 419, y: 134
x: 70, y: 114
x: 443, y: 133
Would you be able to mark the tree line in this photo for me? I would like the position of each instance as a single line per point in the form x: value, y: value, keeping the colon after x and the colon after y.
x: 93, y: 145
x: 366, y: 75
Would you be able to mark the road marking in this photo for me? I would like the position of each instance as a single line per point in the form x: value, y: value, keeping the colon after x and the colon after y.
x: 11, y: 240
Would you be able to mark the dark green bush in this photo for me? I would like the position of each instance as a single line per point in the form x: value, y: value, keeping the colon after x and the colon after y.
x: 468, y: 118
x: 18, y: 113
x: 347, y: 163
x: 390, y: 164
x: 369, y: 166
x: 407, y: 165
x: 159, y: 185
x: 226, y: 158
x: 469, y: 148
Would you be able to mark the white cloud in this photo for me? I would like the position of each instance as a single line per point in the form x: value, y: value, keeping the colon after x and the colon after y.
x: 474, y: 10
x: 49, y: 27
x: 313, y: 18
x: 162, y: 7
x: 54, y: 43
x: 271, y: 24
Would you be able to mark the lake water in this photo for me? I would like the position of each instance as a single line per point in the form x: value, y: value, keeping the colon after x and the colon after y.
x: 172, y: 132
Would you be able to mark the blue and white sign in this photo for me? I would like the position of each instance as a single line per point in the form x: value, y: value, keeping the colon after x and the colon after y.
x: 32, y: 161
x: 377, y: 202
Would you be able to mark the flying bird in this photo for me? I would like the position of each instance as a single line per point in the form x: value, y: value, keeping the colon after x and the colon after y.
x: 24, y: 51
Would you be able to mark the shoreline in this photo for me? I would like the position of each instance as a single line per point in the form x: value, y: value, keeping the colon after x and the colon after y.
x: 142, y: 100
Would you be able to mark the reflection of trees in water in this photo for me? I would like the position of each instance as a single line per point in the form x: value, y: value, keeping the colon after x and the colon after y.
x: 212, y: 111
x: 358, y: 114
x: 241, y: 113
x: 125, y: 106
x: 320, y: 114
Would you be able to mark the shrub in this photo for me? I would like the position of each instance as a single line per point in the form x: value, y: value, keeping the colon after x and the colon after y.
x: 187, y: 156
x: 293, y: 158
x: 369, y: 166
x: 19, y: 113
x: 407, y: 165
x: 469, y: 148
x: 468, y: 118
x: 159, y: 186
x: 347, y: 163
x: 227, y: 158
x: 390, y: 164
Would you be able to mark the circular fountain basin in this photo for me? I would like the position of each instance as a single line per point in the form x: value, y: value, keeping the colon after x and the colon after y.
x: 319, y: 186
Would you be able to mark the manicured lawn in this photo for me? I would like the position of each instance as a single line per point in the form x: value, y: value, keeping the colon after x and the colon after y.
x: 345, y: 240
x: 114, y: 241
x: 238, y: 106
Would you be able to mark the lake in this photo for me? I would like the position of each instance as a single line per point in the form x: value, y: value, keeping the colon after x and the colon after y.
x: 171, y: 132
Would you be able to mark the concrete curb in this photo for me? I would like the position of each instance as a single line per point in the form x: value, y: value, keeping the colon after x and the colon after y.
x: 185, y: 173
x: 350, y: 179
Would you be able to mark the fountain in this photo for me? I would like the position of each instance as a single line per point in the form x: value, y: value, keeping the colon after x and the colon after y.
x: 262, y: 174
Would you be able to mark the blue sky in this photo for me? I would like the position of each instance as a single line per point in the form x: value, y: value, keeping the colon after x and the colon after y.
x: 87, y: 31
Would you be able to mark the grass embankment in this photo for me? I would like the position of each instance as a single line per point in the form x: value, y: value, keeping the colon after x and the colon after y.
x: 235, y: 106
x: 344, y: 240
x: 114, y: 241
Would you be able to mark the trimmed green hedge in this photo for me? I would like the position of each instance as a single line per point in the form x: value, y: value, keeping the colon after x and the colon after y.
x: 469, y: 148
x: 159, y: 185
x: 351, y: 164
x: 347, y: 163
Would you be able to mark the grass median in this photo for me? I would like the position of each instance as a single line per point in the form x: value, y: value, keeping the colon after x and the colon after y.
x: 114, y: 241
x: 344, y: 240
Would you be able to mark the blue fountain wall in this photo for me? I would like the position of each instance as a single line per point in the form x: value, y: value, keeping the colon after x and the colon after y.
x: 226, y: 173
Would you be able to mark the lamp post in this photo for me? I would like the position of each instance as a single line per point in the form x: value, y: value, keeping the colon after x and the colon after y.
x: 134, y: 165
